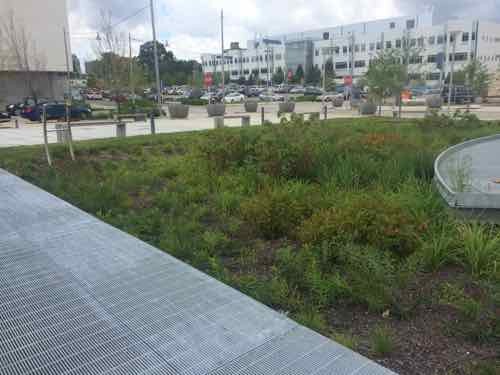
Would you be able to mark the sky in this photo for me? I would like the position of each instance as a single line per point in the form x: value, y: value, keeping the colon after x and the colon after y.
x: 192, y: 27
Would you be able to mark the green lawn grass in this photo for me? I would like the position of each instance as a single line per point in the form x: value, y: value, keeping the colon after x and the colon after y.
x: 308, y: 218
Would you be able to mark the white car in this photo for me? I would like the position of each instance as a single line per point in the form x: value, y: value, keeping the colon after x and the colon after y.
x: 234, y: 97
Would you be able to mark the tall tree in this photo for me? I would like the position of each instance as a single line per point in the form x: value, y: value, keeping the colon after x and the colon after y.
x: 299, y: 75
x: 477, y: 77
x: 330, y: 76
x: 386, y: 76
x: 278, y: 76
x: 77, y: 67
x: 313, y: 76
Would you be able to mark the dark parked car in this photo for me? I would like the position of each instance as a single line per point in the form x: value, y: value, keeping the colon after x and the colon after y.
x: 16, y: 109
x: 459, y: 94
x: 57, y: 111
x: 313, y: 91
x: 4, y: 116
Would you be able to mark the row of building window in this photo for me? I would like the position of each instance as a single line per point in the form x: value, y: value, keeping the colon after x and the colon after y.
x: 398, y: 43
x: 243, y: 60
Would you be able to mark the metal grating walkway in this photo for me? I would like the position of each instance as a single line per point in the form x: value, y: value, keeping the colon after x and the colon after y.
x: 78, y: 296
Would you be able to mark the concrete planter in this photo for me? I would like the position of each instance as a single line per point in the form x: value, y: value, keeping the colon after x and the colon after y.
x: 216, y: 109
x: 287, y: 107
x: 338, y: 102
x: 478, y: 100
x: 178, y: 111
x: 251, y: 106
x: 367, y: 108
x: 434, y: 102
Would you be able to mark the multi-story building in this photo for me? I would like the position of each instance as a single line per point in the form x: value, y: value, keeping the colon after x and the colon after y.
x: 32, y: 49
x: 433, y: 50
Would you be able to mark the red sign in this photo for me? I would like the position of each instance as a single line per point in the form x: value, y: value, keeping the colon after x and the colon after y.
x: 348, y: 81
x: 290, y: 74
x: 208, y: 80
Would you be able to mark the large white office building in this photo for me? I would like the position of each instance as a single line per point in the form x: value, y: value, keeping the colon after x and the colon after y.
x: 439, y: 48
x: 32, y: 48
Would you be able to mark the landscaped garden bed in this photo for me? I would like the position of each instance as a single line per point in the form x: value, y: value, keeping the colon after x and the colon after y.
x: 337, y: 224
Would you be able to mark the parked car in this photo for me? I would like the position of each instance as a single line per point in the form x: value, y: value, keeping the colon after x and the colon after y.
x: 313, y: 91
x: 459, y: 94
x: 330, y: 97
x: 57, y: 111
x: 14, y: 109
x: 271, y: 97
x: 94, y: 96
x: 234, y: 97
x: 4, y: 116
x: 298, y: 90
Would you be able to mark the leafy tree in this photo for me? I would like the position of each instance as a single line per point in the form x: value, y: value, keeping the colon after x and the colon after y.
x: 147, y: 57
x: 251, y: 80
x: 477, y: 77
x: 279, y: 76
x: 299, y: 75
x: 77, y: 67
x: 330, y: 76
x: 313, y: 76
x: 386, y: 76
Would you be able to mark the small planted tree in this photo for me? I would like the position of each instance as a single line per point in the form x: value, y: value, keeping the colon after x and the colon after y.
x: 330, y: 84
x: 477, y: 77
x: 386, y: 76
x: 279, y: 76
x: 299, y: 75
x: 313, y: 76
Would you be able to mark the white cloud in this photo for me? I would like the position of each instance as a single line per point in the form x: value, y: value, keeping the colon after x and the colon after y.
x: 193, y: 26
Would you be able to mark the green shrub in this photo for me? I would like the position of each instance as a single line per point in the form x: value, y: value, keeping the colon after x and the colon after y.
x: 194, y: 102
x: 102, y: 115
x: 382, y: 341
x: 312, y: 319
x: 375, y: 220
x: 480, y: 249
x: 347, y: 340
x: 277, y: 210
x: 439, y: 249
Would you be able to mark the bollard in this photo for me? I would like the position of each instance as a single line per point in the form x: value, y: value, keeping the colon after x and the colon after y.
x: 325, y: 112
x: 262, y: 116
x: 153, y: 126
x: 218, y: 122
x: 245, y: 121
x: 121, y: 130
x: 17, y: 123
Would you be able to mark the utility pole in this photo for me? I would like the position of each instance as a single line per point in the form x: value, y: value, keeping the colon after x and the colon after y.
x: 155, y: 51
x: 222, y: 46
x: 131, y: 79
x: 452, y: 68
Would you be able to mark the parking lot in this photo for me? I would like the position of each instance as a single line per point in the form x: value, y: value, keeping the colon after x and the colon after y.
x: 30, y: 133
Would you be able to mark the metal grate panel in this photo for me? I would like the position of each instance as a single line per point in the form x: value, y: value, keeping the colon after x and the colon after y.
x: 78, y: 296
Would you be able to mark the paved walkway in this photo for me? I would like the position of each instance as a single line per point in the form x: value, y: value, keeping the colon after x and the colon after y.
x: 79, y: 296
x: 31, y: 133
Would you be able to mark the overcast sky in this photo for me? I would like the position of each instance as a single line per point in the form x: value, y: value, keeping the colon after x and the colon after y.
x: 192, y: 26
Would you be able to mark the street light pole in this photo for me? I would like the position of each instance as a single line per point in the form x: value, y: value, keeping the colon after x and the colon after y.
x: 155, y: 51
x: 222, y: 46
x: 452, y: 69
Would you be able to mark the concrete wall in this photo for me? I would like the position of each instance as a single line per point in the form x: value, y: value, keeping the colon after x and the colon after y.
x: 14, y: 86
x: 43, y: 23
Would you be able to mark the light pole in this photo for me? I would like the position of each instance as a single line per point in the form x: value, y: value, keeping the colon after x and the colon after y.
x: 452, y: 68
x: 222, y: 47
x: 155, y: 51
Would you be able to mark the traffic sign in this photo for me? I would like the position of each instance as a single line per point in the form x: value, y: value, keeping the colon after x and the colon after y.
x: 208, y: 80
x: 348, y: 81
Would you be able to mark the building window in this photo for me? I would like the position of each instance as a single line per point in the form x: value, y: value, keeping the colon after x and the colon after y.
x: 326, y: 36
x: 392, y: 25
x: 416, y: 60
x: 398, y: 43
x: 431, y: 59
x: 379, y: 45
x: 360, y: 64
x: 388, y: 44
x: 410, y: 24
x: 337, y: 50
x: 372, y: 46
x: 363, y: 48
x: 440, y: 39
x: 234, y: 73
x: 432, y: 40
x: 420, y: 42
x: 278, y: 56
x: 263, y: 70
x: 434, y: 76
x: 459, y: 57
x: 316, y: 52
x: 246, y: 71
x: 473, y: 36
x: 452, y: 38
x: 465, y: 37
x: 341, y: 65
x: 413, y: 42
x: 344, y: 50
x: 356, y: 48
